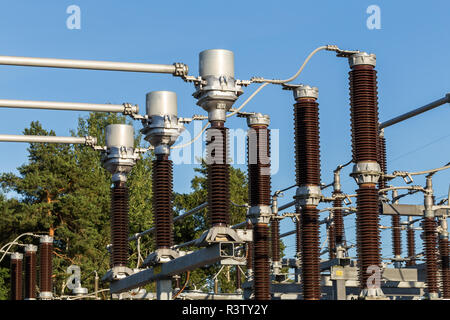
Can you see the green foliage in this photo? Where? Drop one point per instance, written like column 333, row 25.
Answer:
column 64, row 190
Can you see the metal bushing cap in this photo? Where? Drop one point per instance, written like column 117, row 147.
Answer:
column 258, row 119
column 46, row 239
column 305, row 91
column 362, row 58
column 30, row 248
column 16, row 256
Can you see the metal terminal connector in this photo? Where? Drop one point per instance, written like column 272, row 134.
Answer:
column 366, row 172
column 181, row 70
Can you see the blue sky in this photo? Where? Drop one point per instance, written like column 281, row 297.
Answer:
column 269, row 39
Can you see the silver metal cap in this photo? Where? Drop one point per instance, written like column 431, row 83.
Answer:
column 16, row 256
column 30, row 248
column 118, row 135
column 161, row 103
column 305, row 91
column 362, row 58
column 216, row 62
column 258, row 119
column 46, row 239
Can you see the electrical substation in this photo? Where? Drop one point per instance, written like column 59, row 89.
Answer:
column 252, row 247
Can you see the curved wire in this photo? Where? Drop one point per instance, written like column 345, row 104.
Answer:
column 193, row 140
column 184, row 286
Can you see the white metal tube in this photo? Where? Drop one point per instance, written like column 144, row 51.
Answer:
column 75, row 106
column 87, row 64
column 46, row 139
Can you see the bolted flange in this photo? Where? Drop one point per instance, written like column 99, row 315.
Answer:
column 308, row 195
column 259, row 214
column 366, row 172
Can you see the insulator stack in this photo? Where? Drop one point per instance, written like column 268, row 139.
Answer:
column 30, row 272
column 411, row 246
column 445, row 267
column 45, row 266
column 261, row 269
column 119, row 224
column 366, row 153
column 298, row 233
column 16, row 276
column 382, row 160
column 396, row 236
column 307, row 154
column 364, row 112
column 368, row 236
column 162, row 201
column 218, row 174
column 310, row 253
column 249, row 254
column 331, row 241
column 338, row 219
column 430, row 242
column 275, row 239
column 258, row 159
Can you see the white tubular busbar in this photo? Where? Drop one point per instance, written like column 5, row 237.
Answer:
column 73, row 106
column 87, row 64
column 47, row 139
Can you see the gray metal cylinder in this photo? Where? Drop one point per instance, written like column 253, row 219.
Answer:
column 118, row 135
column 216, row 62
column 46, row 239
column 31, row 248
column 161, row 103
column 16, row 256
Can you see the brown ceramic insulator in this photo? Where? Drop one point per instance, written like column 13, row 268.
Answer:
column 445, row 267
column 307, row 152
column 310, row 253
column 261, row 269
column 259, row 181
column 411, row 247
column 382, row 160
column 338, row 219
column 218, row 174
column 119, row 224
column 275, row 239
column 45, row 266
column 430, row 243
column 367, row 230
column 331, row 241
column 396, row 236
column 298, row 235
column 249, row 254
column 162, row 201
column 30, row 275
column 364, row 113
column 16, row 279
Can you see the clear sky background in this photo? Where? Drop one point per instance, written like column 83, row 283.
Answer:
column 269, row 39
